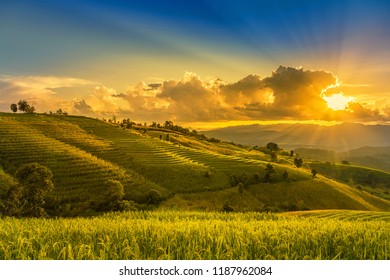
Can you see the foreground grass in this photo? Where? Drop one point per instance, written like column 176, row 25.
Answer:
column 194, row 236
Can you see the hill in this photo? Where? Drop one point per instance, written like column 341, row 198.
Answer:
column 373, row 157
column 161, row 169
column 341, row 137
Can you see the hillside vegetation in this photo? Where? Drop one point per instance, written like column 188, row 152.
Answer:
column 160, row 168
column 374, row 157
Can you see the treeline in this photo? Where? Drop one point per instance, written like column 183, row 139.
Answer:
column 167, row 126
column 30, row 195
column 22, row 106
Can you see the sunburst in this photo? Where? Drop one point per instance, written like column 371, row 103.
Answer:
column 338, row 101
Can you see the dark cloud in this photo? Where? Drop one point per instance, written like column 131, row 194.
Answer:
column 121, row 95
column 153, row 86
column 83, row 108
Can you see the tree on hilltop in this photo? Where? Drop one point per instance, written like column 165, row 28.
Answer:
column 23, row 106
column 273, row 147
column 14, row 107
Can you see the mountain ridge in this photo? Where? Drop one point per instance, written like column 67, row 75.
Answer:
column 340, row 137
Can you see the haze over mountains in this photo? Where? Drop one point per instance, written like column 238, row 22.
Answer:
column 341, row 138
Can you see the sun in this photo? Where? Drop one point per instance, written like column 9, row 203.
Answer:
column 338, row 101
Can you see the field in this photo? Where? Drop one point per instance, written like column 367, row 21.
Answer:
column 200, row 236
column 198, row 183
column 188, row 173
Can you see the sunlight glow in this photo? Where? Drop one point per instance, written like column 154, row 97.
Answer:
column 338, row 101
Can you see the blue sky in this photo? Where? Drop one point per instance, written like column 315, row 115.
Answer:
column 115, row 44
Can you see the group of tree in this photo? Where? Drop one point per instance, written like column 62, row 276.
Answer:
column 27, row 197
column 59, row 112
column 272, row 149
column 22, row 106
column 167, row 126
column 298, row 162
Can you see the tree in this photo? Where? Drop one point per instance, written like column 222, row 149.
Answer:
column 114, row 195
column 153, row 196
column 273, row 147
column 269, row 169
column 274, row 157
column 23, row 106
column 168, row 124
column 35, row 181
column 314, row 173
column 10, row 199
column 14, row 107
column 30, row 110
column 298, row 162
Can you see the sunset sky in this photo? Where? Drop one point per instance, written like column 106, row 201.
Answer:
column 199, row 61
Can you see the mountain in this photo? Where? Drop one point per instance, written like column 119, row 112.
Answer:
column 341, row 137
column 160, row 169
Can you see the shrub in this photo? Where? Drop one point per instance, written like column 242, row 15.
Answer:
column 153, row 196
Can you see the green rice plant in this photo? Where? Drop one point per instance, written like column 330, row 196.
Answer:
column 196, row 236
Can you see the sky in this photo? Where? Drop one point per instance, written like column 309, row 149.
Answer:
column 198, row 61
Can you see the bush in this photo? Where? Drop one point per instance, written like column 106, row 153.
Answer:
column 153, row 197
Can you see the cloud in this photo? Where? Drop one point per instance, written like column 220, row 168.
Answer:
column 287, row 94
column 40, row 91
column 192, row 99
column 81, row 107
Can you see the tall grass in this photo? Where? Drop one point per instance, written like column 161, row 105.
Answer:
column 194, row 236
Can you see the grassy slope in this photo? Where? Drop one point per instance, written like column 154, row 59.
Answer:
column 84, row 153
column 374, row 181
column 373, row 157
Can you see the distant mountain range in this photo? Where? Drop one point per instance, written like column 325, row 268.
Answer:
column 341, row 137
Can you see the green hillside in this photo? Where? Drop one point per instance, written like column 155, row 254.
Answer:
column 373, row 157
column 175, row 172
column 374, row 181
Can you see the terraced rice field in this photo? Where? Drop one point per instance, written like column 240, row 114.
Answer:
column 84, row 154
